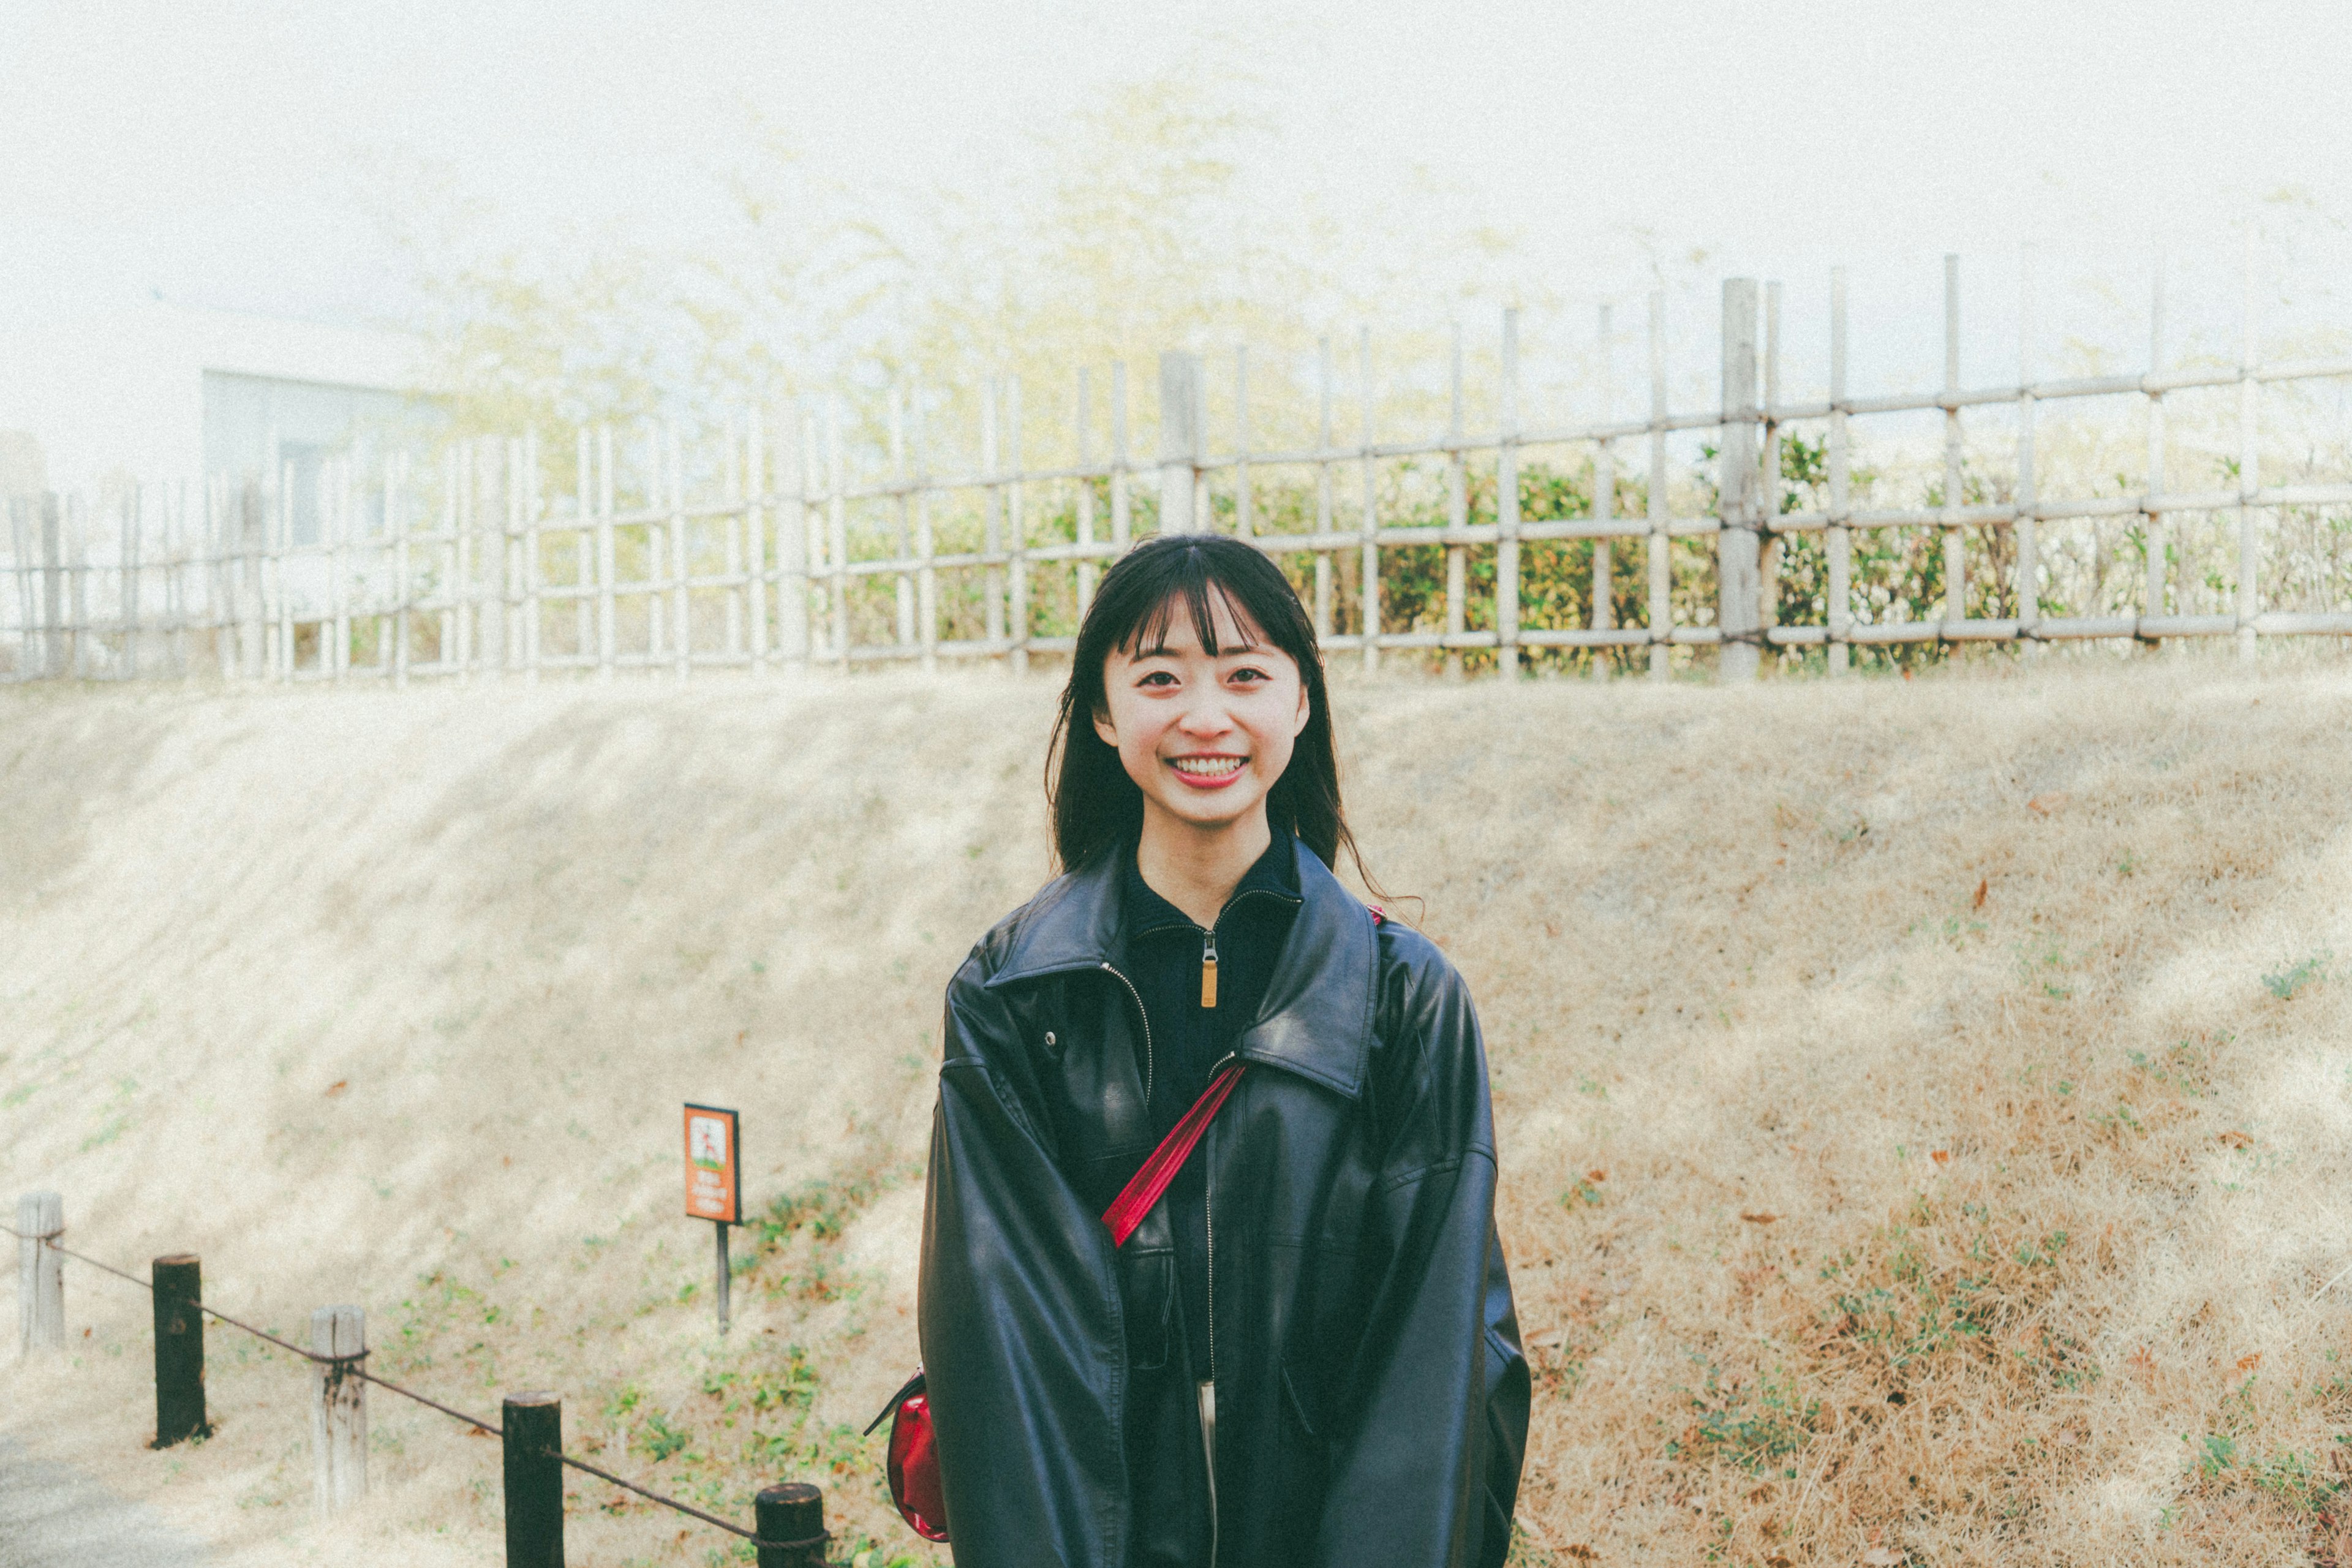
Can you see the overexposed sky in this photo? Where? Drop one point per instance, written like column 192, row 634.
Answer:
column 245, row 155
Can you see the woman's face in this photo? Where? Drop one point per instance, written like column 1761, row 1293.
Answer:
column 1203, row 737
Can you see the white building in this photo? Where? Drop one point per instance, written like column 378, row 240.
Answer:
column 150, row 390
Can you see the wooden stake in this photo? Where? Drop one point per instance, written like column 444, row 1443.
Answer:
column 337, row 1411
column 40, row 1273
column 178, row 1282
column 532, row 1445
column 793, row 1511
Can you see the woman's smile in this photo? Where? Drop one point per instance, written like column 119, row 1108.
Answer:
column 1209, row 771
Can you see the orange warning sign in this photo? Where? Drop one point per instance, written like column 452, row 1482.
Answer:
column 714, row 1170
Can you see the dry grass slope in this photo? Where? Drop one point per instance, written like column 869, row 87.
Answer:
column 1924, row 1108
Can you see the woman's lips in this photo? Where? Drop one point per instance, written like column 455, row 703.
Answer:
column 1210, row 772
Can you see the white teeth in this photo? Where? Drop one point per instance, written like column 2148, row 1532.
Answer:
column 1206, row 767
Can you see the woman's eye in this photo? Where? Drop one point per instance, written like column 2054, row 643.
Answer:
column 1250, row 676
column 1157, row 677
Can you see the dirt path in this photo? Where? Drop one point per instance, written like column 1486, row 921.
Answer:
column 52, row 1516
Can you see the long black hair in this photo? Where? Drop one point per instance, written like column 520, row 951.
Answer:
column 1096, row 806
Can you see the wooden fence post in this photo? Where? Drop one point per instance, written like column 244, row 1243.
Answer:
column 608, row 558
column 1457, row 516
column 53, row 583
column 1016, row 532
column 2029, row 544
column 531, row 1428
column 2249, row 599
column 337, row 1411
column 1737, row 605
column 792, row 1511
column 1122, row 525
column 1840, row 537
column 1087, row 570
column 1179, row 440
column 1955, row 542
column 1506, row 508
column 40, row 1273
column 178, row 1281
column 1602, row 607
column 1368, row 560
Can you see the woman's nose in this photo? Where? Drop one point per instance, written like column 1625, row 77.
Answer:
column 1206, row 718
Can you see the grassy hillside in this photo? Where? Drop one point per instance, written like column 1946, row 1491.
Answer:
column 1924, row 1106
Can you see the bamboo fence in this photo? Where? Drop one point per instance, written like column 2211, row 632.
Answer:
column 753, row 548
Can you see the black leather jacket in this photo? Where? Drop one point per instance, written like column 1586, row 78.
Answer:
column 1371, row 1398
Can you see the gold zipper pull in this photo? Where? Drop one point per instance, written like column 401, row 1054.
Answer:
column 1209, row 969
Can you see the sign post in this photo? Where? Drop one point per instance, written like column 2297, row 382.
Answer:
column 714, row 1179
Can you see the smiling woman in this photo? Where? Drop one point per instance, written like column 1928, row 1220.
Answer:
column 1290, row 1338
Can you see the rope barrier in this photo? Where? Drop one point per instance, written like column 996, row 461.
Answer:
column 350, row 1363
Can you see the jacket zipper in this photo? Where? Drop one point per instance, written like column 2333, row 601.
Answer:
column 1209, row 1213
column 1140, row 1013
column 1209, row 968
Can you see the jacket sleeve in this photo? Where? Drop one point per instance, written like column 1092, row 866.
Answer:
column 1014, row 1314
column 1426, row 1460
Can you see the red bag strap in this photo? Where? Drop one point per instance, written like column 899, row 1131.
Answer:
column 1149, row 1182
column 1159, row 1167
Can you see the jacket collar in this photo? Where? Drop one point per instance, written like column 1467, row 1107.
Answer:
column 1316, row 1017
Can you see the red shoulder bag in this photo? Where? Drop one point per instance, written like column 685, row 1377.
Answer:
column 914, row 1464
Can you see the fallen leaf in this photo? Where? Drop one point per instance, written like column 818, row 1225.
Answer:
column 2044, row 804
column 1547, row 1339
column 1983, row 884
column 2248, row 1362
column 2235, row 1139
column 1582, row 1552
column 1941, row 1156
column 338, row 1086
column 1596, row 1175
column 1760, row 1218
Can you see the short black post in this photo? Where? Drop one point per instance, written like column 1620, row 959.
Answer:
column 178, row 1280
column 533, row 1428
column 793, row 1511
